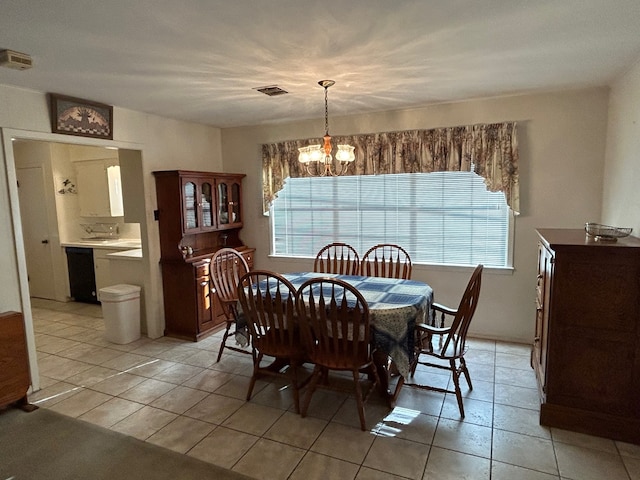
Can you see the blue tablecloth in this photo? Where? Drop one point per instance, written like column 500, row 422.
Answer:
column 394, row 307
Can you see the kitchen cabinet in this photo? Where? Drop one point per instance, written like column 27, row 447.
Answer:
column 586, row 350
column 99, row 188
column 199, row 212
column 102, row 269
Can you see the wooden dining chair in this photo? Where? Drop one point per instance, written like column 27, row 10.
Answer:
column 268, row 304
column 337, row 258
column 447, row 344
column 386, row 260
column 334, row 323
column 226, row 268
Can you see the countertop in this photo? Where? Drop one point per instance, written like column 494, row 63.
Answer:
column 135, row 254
column 120, row 244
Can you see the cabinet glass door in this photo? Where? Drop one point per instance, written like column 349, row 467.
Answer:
column 206, row 202
column 235, row 203
column 190, row 202
column 223, row 204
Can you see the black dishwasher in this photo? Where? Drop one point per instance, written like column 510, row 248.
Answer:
column 82, row 278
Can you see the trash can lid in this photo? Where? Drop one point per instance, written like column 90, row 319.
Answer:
column 121, row 289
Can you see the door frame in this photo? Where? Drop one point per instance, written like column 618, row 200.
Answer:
column 7, row 136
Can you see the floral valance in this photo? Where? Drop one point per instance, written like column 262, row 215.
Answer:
column 491, row 150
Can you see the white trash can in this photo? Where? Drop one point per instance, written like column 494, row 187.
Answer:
column 121, row 313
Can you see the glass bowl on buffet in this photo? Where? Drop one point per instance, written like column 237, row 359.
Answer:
column 606, row 233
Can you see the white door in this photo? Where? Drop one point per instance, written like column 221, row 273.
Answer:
column 35, row 231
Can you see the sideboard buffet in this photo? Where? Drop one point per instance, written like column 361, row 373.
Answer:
column 586, row 351
column 198, row 213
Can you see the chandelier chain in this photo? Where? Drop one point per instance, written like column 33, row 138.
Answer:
column 326, row 111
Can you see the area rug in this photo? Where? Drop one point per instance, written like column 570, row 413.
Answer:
column 44, row 444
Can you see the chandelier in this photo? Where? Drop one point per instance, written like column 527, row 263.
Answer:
column 317, row 158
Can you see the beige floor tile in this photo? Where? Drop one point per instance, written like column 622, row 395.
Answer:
column 423, row 401
column 151, row 349
column 147, row 391
column 366, row 473
column 324, row 403
column 375, row 411
column 294, row 430
column 320, row 467
column 633, row 467
column 480, row 372
column 397, row 456
column 409, row 425
column 63, row 368
column 177, row 353
column 628, row 449
column 510, row 360
column 151, row 368
column 480, row 357
column 503, row 471
column 583, row 440
column 181, row 434
column 54, row 393
column 517, row 396
column 481, row 344
column 482, row 390
column 524, row 451
column 523, row 349
column 118, row 383
column 449, row 465
column 92, row 376
column 178, row 373
column 223, row 447
column 516, row 377
column 237, row 387
column 519, row 420
column 144, row 423
column 214, row 408
column 111, row 412
column 587, row 464
column 83, row 401
column 235, row 364
column 253, row 419
column 463, row 437
column 477, row 412
column 274, row 393
column 125, row 361
column 343, row 442
column 179, row 399
column 201, row 358
column 208, row 380
column 269, row 460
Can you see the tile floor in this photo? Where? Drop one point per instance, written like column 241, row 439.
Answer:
column 173, row 394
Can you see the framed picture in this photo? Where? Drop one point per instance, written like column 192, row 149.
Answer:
column 74, row 116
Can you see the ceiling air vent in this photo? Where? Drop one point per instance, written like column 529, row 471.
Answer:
column 15, row 60
column 272, row 90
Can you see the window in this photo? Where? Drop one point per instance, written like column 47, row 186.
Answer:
column 444, row 218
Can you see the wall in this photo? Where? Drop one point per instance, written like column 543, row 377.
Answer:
column 621, row 204
column 562, row 146
column 165, row 144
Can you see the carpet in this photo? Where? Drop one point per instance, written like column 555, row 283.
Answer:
column 47, row 445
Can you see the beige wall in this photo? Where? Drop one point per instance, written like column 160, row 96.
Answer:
column 562, row 146
column 165, row 145
column 621, row 204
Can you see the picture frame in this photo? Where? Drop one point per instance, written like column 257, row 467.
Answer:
column 76, row 116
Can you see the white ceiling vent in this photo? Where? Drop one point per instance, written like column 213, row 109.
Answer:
column 272, row 90
column 15, row 60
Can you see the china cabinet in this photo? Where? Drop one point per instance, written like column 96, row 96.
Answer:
column 586, row 350
column 198, row 213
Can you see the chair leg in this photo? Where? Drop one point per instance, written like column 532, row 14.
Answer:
column 256, row 366
column 224, row 339
column 293, row 368
column 456, row 382
column 465, row 370
column 360, row 403
column 315, row 377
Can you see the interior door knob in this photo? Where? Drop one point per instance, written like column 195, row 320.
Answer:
column 45, row 241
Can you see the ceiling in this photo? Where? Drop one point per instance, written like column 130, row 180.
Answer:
column 201, row 60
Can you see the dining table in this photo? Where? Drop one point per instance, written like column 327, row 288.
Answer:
column 395, row 305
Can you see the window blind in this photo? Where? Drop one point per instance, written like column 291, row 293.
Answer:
column 439, row 218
